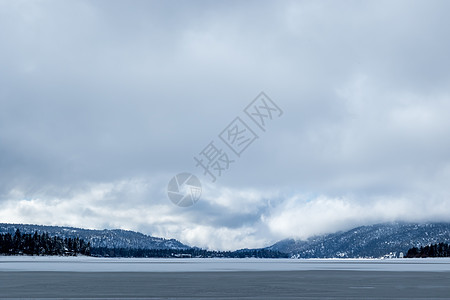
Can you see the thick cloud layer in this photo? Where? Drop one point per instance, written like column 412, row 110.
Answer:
column 102, row 102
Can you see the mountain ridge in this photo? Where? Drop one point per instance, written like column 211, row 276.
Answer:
column 107, row 238
column 367, row 241
column 376, row 240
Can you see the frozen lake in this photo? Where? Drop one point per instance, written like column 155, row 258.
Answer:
column 91, row 264
column 99, row 278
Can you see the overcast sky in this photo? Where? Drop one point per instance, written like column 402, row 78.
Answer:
column 103, row 102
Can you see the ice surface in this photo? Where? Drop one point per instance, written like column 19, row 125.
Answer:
column 91, row 264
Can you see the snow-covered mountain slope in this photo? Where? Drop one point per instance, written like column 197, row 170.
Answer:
column 367, row 241
column 116, row 238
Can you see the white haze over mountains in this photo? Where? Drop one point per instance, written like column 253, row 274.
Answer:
column 102, row 102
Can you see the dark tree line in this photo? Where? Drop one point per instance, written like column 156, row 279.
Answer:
column 193, row 252
column 41, row 244
column 434, row 250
